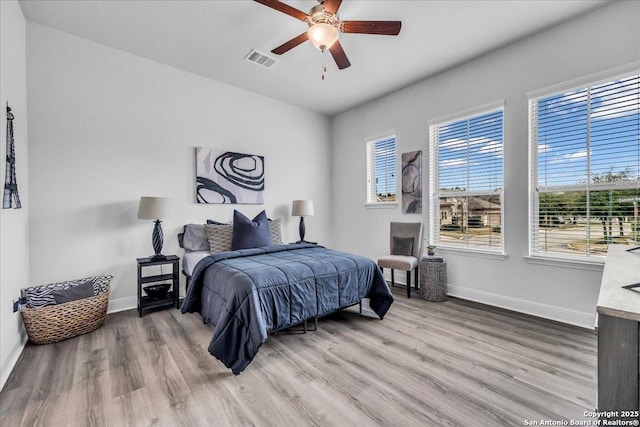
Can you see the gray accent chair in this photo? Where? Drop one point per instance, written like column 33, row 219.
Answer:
column 400, row 235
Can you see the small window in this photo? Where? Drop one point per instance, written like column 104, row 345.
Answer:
column 585, row 169
column 467, row 180
column 381, row 171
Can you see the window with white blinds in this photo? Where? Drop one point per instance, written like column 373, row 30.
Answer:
column 585, row 169
column 381, row 170
column 466, row 181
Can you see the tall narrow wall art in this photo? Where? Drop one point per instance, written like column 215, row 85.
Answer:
column 10, row 196
column 228, row 177
column 412, row 182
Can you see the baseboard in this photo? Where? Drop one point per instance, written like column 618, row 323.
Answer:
column 551, row 312
column 11, row 362
column 122, row 304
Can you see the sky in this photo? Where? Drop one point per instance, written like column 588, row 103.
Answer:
column 609, row 115
column 470, row 153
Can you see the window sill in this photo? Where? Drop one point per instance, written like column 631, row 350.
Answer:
column 579, row 264
column 381, row 205
column 478, row 253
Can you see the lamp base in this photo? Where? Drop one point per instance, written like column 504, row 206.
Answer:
column 156, row 239
column 306, row 241
column 301, row 229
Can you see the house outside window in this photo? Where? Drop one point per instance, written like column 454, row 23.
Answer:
column 466, row 181
column 585, row 169
column 381, row 171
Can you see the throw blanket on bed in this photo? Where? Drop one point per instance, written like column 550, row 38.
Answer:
column 249, row 292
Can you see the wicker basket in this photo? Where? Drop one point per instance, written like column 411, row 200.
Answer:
column 53, row 323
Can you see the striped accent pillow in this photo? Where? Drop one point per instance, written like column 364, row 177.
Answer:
column 275, row 228
column 220, row 237
column 101, row 284
column 42, row 296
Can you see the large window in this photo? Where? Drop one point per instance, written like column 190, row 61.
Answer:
column 381, row 170
column 466, row 181
column 585, row 169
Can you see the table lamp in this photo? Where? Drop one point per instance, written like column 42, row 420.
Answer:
column 302, row 208
column 155, row 208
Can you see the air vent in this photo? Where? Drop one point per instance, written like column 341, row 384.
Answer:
column 261, row 59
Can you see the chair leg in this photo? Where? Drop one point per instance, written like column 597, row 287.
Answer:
column 393, row 280
column 415, row 285
column 408, row 284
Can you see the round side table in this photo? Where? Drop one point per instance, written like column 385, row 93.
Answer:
column 433, row 278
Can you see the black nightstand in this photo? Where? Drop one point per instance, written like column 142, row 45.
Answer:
column 172, row 296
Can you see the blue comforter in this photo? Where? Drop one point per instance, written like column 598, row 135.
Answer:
column 249, row 292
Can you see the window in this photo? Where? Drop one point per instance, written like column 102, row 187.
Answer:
column 381, row 170
column 466, row 181
column 585, row 169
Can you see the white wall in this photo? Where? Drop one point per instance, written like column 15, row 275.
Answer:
column 607, row 38
column 107, row 127
column 14, row 227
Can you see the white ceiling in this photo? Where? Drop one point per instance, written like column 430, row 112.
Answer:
column 211, row 39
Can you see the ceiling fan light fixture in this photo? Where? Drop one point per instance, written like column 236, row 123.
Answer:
column 323, row 35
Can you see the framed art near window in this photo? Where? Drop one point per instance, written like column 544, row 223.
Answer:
column 412, row 182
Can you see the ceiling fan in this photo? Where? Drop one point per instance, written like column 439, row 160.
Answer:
column 325, row 28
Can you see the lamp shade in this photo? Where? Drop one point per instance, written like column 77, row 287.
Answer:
column 323, row 35
column 302, row 208
column 153, row 208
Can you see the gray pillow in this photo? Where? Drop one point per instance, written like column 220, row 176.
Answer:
column 402, row 246
column 84, row 290
column 214, row 222
column 195, row 238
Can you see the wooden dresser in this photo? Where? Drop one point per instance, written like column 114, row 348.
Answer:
column 619, row 334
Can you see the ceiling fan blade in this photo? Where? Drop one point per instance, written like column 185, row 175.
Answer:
column 339, row 56
column 387, row 28
column 287, row 46
column 331, row 6
column 284, row 8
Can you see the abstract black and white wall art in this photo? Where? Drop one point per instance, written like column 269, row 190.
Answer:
column 228, row 177
column 412, row 182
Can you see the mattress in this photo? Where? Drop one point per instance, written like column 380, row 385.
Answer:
column 190, row 259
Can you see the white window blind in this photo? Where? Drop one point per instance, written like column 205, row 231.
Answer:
column 466, row 181
column 381, row 170
column 585, row 169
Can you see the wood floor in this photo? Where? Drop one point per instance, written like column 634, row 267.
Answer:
column 425, row 364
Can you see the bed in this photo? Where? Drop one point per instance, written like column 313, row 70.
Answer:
column 248, row 293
